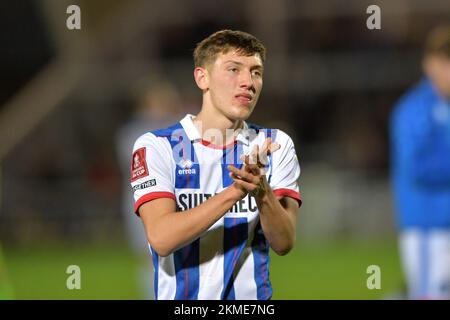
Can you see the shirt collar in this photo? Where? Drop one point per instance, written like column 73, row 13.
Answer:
column 193, row 134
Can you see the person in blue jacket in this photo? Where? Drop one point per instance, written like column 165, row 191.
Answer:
column 420, row 151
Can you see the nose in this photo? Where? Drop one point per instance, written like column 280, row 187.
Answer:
column 246, row 80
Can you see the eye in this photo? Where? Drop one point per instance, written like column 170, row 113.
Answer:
column 233, row 69
column 256, row 73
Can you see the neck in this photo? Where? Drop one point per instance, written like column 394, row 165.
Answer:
column 213, row 126
column 438, row 90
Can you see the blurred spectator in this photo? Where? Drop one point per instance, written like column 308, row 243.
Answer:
column 158, row 105
column 420, row 137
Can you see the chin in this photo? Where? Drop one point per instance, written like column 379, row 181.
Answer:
column 241, row 113
column 240, row 116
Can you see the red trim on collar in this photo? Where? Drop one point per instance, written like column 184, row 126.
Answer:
column 211, row 145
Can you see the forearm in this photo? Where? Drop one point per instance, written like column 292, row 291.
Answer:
column 278, row 221
column 173, row 230
column 277, row 224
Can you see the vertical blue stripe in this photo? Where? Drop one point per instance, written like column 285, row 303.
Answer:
column 260, row 249
column 185, row 180
column 231, row 156
column 186, row 177
column 234, row 241
column 182, row 149
column 270, row 133
column 187, row 261
column 155, row 260
column 260, row 246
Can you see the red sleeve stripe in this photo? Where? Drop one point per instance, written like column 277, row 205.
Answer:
column 289, row 193
column 152, row 196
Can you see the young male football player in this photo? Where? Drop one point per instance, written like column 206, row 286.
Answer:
column 213, row 191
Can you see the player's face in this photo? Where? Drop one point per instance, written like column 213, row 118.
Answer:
column 235, row 82
column 437, row 68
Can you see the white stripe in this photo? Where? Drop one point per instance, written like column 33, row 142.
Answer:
column 439, row 267
column 438, row 262
column 409, row 248
column 211, row 246
column 211, row 263
column 243, row 288
column 167, row 283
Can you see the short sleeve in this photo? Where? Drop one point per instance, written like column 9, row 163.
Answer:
column 151, row 170
column 285, row 171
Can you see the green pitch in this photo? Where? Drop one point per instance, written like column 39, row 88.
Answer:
column 5, row 285
column 337, row 271
column 329, row 271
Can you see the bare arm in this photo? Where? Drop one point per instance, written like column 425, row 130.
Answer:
column 168, row 230
column 278, row 216
column 278, row 220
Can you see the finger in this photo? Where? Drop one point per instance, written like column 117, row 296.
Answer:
column 262, row 154
column 262, row 159
column 244, row 184
column 247, row 176
column 254, row 169
column 253, row 159
column 237, row 177
column 266, row 144
column 247, row 166
column 234, row 170
column 234, row 176
column 247, row 160
column 274, row 147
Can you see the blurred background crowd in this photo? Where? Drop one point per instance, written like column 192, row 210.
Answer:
column 73, row 101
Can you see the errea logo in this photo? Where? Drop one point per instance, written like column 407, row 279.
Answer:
column 185, row 163
column 187, row 174
column 186, row 167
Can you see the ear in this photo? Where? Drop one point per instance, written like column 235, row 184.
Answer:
column 201, row 78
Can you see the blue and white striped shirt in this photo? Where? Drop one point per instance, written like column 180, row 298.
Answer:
column 231, row 259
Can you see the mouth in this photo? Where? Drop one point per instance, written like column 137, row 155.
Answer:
column 244, row 98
